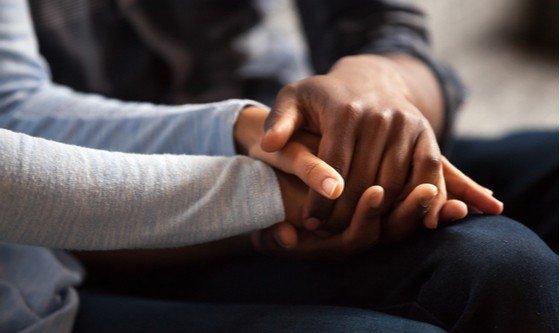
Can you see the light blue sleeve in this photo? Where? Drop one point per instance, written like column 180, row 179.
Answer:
column 65, row 195
column 30, row 103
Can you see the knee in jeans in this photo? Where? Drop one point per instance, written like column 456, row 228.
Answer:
column 497, row 248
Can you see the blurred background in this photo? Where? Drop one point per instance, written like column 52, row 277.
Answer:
column 506, row 51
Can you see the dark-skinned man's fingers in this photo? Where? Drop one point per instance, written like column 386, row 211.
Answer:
column 409, row 214
column 395, row 167
column 431, row 219
column 337, row 153
column 361, row 234
column 277, row 239
column 364, row 228
column 426, row 162
column 453, row 210
column 470, row 192
column 282, row 239
column 363, row 172
column 282, row 121
column 452, row 170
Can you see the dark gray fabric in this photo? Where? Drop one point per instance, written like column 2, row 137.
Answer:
column 172, row 51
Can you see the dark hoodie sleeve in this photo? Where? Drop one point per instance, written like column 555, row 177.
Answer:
column 337, row 28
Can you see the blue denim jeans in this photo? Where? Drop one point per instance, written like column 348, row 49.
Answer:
column 480, row 274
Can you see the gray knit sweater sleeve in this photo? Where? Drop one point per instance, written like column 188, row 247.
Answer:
column 68, row 195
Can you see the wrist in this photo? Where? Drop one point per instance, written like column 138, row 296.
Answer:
column 293, row 192
column 385, row 76
column 249, row 129
column 426, row 92
column 398, row 75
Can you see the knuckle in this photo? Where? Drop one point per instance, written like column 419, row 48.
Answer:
column 382, row 119
column 353, row 110
column 313, row 84
column 423, row 123
column 405, row 116
column 289, row 89
column 309, row 168
column 432, row 161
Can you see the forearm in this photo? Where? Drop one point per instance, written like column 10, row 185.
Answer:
column 425, row 91
column 70, row 197
column 420, row 86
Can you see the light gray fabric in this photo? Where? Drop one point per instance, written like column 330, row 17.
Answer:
column 64, row 196
column 67, row 194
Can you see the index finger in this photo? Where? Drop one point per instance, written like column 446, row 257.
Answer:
column 337, row 153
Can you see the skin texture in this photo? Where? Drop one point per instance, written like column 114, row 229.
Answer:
column 368, row 227
column 369, row 224
column 378, row 118
column 381, row 123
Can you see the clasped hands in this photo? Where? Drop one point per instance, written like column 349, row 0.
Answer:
column 357, row 163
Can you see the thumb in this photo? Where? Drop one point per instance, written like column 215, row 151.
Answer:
column 282, row 121
column 298, row 160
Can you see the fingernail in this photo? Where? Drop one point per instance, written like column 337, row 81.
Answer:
column 278, row 240
column 329, row 185
column 311, row 223
column 489, row 191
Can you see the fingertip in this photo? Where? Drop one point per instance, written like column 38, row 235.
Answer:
column 375, row 196
column 427, row 190
column 286, row 236
column 453, row 210
column 463, row 210
column 311, row 223
column 496, row 207
column 331, row 187
column 426, row 194
column 340, row 188
column 460, row 209
column 499, row 207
